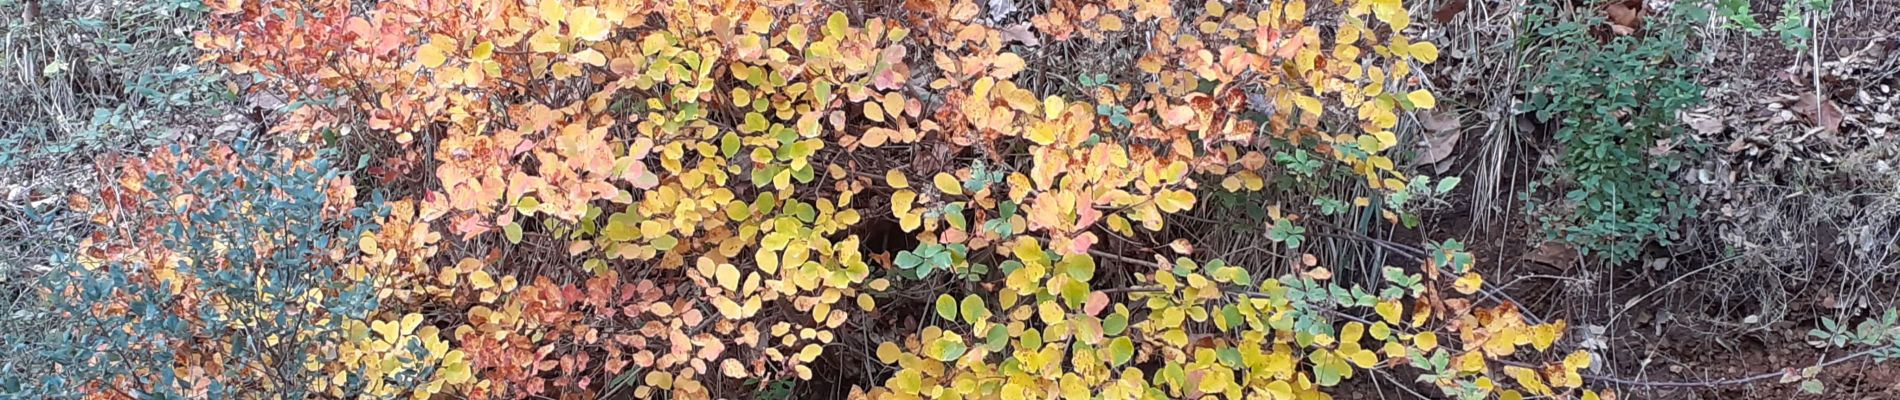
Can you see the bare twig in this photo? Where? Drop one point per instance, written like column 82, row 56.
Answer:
column 1708, row 383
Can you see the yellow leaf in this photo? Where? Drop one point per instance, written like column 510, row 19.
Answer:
column 660, row 379
column 481, row 280
column 1577, row 360
column 901, row 202
column 1392, row 12
column 1543, row 335
column 728, row 277
column 413, row 320
column 1387, row 139
column 1280, row 390
column 545, row 41
column 727, row 308
column 896, row 179
column 1469, row 283
column 810, row 352
column 388, row 330
column 1007, row 65
column 1471, row 362
column 585, row 23
column 732, row 368
column 1173, row 200
column 759, row 22
column 590, row 57
column 1053, row 106
column 877, row 136
column 552, row 11
column 430, row 56
column 483, row 51
column 449, row 276
column 1363, row 358
column 1310, row 105
column 768, row 261
column 836, row 24
column 947, row 183
column 1042, row 134
column 1352, row 333
column 1426, row 341
column 1425, row 52
column 888, row 352
column 874, row 112
column 1422, row 99
column 1380, row 330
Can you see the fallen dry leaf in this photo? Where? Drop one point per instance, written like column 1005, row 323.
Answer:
column 1740, row 143
column 1703, row 123
column 1624, row 19
column 1438, row 121
column 1823, row 113
column 1019, row 33
column 1181, row 246
column 1319, row 273
column 1450, row 10
column 1000, row 9
column 1663, row 147
column 1441, row 136
column 1555, row 254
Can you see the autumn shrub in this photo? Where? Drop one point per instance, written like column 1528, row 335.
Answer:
column 1612, row 97
column 680, row 199
column 210, row 273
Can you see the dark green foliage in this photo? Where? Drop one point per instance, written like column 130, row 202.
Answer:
column 1614, row 105
column 245, row 302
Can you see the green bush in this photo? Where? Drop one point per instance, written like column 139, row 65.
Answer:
column 215, row 255
column 1615, row 105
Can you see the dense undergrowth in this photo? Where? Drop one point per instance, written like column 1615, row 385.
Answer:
column 952, row 199
column 1614, row 104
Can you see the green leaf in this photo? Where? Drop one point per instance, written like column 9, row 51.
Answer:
column 1328, row 368
column 622, row 227
column 1074, row 293
column 973, row 308
column 1078, row 266
column 947, row 307
column 1121, row 350
column 513, row 232
column 998, row 338
column 836, row 24
column 953, row 213
column 1445, row 185
column 527, row 205
column 1115, row 324
column 729, row 145
column 754, row 123
column 1032, row 339
column 941, row 260
column 908, row 260
column 1813, row 386
column 1284, row 231
column 951, row 350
